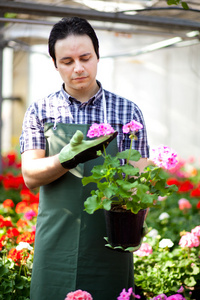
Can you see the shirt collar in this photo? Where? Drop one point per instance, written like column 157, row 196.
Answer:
column 92, row 101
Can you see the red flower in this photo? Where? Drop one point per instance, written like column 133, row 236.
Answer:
column 27, row 236
column 8, row 203
column 13, row 182
column 12, row 157
column 172, row 181
column 195, row 192
column 185, row 186
column 18, row 256
column 21, row 207
column 198, row 205
column 15, row 255
column 12, row 232
column 5, row 222
column 22, row 223
column 29, row 197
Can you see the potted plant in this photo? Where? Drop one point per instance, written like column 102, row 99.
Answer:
column 121, row 188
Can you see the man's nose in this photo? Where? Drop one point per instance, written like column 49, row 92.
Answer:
column 78, row 67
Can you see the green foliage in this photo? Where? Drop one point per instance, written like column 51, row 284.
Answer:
column 177, row 221
column 14, row 281
column 123, row 184
column 177, row 2
column 165, row 271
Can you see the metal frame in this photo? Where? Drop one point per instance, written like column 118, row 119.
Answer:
column 118, row 17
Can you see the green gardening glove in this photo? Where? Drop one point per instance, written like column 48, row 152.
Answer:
column 79, row 151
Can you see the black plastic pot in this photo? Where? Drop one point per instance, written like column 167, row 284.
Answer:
column 124, row 228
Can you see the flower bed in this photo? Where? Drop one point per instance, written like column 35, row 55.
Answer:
column 167, row 260
column 18, row 212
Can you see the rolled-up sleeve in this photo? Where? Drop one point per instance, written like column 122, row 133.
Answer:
column 32, row 136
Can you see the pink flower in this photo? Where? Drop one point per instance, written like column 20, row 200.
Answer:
column 144, row 250
column 30, row 214
column 79, row 295
column 165, row 157
column 189, row 240
column 176, row 297
column 160, row 198
column 126, row 295
column 132, row 127
column 196, row 231
column 181, row 290
column 160, row 297
column 184, row 204
column 97, row 130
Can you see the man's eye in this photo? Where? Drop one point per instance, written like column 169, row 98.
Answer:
column 67, row 62
column 85, row 58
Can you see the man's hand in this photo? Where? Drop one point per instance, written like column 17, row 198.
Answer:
column 79, row 151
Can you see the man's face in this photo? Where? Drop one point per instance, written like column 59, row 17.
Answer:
column 76, row 62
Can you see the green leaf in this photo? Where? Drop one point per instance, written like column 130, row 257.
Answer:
column 3, row 271
column 92, row 203
column 184, row 5
column 190, row 281
column 133, row 206
column 107, row 189
column 173, row 2
column 106, row 204
column 129, row 170
column 88, row 179
column 132, row 154
column 125, row 185
column 141, row 190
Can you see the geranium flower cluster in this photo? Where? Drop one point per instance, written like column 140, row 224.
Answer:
column 191, row 239
column 184, row 204
column 172, row 297
column 126, row 295
column 79, row 295
column 132, row 127
column 97, row 130
column 188, row 188
column 18, row 235
column 144, row 250
column 164, row 157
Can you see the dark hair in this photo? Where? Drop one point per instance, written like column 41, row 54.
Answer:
column 71, row 26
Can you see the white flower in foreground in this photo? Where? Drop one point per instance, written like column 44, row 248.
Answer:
column 153, row 233
column 23, row 245
column 166, row 243
column 163, row 216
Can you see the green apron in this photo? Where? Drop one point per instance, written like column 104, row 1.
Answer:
column 70, row 250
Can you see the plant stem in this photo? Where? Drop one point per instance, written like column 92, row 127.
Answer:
column 131, row 137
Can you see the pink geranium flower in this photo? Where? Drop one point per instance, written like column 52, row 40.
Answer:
column 144, row 250
column 181, row 290
column 30, row 214
column 196, row 231
column 176, row 297
column 97, row 130
column 126, row 295
column 189, row 240
column 160, row 297
column 79, row 295
column 164, row 157
column 132, row 127
column 184, row 204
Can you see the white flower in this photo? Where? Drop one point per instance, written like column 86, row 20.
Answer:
column 163, row 216
column 166, row 243
column 23, row 245
column 153, row 233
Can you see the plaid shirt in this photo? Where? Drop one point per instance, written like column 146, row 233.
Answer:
column 60, row 107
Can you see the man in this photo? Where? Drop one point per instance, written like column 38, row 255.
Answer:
column 69, row 247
